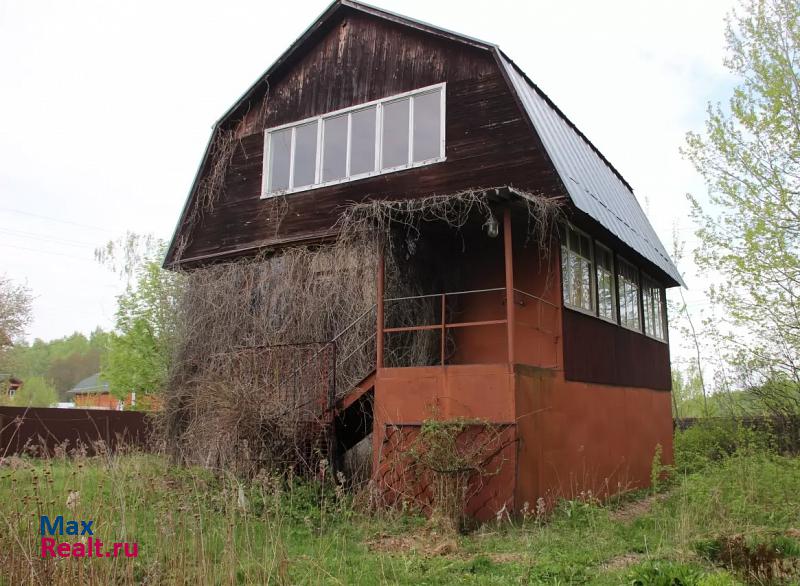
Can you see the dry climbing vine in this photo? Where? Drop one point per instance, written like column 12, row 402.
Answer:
column 265, row 343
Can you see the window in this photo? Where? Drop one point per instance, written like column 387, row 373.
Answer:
column 606, row 298
column 653, row 303
column 628, row 291
column 576, row 270
column 387, row 135
column 395, row 134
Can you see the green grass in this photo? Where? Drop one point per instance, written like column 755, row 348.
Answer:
column 193, row 527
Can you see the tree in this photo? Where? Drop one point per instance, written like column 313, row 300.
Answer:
column 64, row 361
column 140, row 348
column 15, row 311
column 35, row 392
column 749, row 156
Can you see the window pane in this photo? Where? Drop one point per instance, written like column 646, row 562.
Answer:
column 586, row 247
column 606, row 307
column 334, row 154
column 427, row 126
column 305, row 155
column 577, row 271
column 628, row 286
column 280, row 144
column 653, row 309
column 395, row 134
column 566, row 277
column 362, row 141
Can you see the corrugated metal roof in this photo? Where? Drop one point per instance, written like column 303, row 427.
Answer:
column 594, row 186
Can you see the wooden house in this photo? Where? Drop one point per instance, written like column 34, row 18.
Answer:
column 574, row 374
column 94, row 393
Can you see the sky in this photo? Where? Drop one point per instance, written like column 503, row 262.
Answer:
column 106, row 108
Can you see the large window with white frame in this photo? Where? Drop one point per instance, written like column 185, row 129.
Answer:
column 576, row 270
column 628, row 292
column 391, row 134
column 606, row 295
column 653, row 304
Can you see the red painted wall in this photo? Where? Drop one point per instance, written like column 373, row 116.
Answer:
column 576, row 437
column 571, row 437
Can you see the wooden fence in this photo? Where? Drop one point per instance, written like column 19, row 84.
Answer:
column 44, row 431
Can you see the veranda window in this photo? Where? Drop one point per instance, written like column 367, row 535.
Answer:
column 653, row 303
column 576, row 270
column 628, row 291
column 606, row 297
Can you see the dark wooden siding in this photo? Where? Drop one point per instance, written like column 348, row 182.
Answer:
column 596, row 351
column 489, row 142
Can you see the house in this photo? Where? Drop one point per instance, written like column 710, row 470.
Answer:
column 558, row 346
column 94, row 393
column 14, row 384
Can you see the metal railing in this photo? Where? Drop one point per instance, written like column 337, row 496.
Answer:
column 443, row 326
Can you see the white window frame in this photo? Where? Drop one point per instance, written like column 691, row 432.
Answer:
column 639, row 305
column 614, row 319
column 318, row 183
column 592, row 275
column 654, row 285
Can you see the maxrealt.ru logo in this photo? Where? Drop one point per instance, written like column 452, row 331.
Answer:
column 86, row 546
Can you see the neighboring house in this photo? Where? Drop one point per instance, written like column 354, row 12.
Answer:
column 93, row 393
column 578, row 366
column 14, row 385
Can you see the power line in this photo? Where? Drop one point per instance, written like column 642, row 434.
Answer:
column 46, row 252
column 44, row 238
column 52, row 219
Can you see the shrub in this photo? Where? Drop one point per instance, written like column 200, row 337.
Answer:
column 712, row 440
column 761, row 557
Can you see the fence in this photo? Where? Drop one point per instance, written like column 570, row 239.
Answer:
column 40, row 431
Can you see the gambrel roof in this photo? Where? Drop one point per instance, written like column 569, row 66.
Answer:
column 593, row 185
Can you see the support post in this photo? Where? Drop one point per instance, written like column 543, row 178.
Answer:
column 379, row 310
column 509, row 269
column 444, row 330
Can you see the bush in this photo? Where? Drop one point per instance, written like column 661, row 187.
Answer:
column 763, row 557
column 711, row 440
column 35, row 392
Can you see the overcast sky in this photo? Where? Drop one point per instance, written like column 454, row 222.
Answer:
column 106, row 108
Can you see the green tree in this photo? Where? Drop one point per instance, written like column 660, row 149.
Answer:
column 64, row 361
column 749, row 156
column 35, row 392
column 140, row 347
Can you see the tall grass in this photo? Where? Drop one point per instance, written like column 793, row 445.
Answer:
column 193, row 526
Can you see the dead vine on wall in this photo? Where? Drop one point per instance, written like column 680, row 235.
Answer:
column 266, row 343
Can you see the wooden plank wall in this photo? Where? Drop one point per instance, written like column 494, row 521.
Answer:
column 489, row 142
column 596, row 351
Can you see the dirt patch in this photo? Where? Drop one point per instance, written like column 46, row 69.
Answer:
column 507, row 557
column 621, row 562
column 432, row 545
column 633, row 510
column 424, row 544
